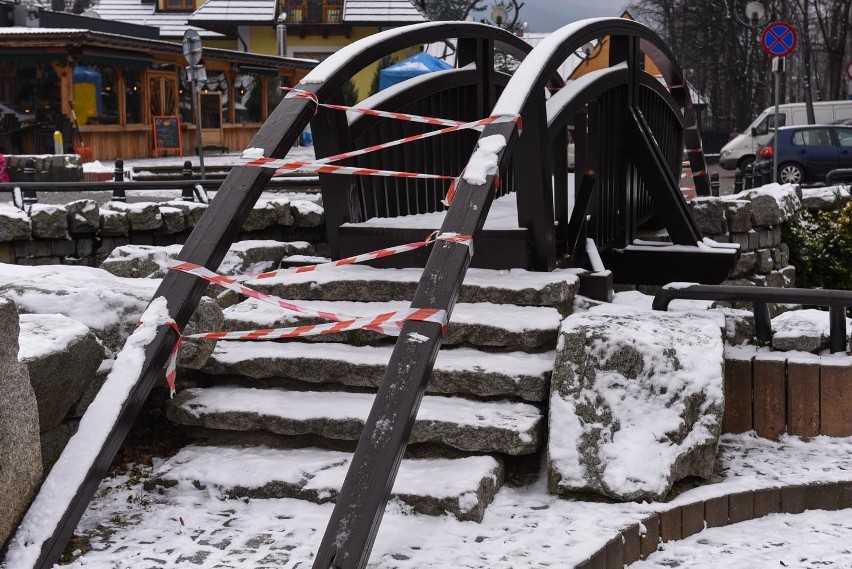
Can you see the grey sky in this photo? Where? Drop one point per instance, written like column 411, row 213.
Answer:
column 547, row 15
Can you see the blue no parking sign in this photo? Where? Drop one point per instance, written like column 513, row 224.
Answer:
column 779, row 39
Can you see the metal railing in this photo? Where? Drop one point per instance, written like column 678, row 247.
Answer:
column 836, row 300
column 26, row 193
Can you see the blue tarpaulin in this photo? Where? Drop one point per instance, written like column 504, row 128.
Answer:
column 412, row 67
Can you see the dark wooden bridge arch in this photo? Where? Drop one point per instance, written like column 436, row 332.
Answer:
column 348, row 540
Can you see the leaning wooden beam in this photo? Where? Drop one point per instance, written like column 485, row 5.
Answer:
column 360, row 506
column 206, row 245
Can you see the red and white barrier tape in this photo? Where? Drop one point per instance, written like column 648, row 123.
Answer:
column 389, row 324
column 449, row 237
column 231, row 284
column 171, row 365
column 693, row 174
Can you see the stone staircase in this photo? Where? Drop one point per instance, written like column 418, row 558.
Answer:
column 281, row 419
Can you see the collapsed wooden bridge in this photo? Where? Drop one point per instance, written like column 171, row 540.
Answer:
column 630, row 127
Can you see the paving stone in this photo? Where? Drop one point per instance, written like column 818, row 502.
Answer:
column 360, row 283
column 476, row 324
column 475, row 426
column 457, row 371
column 462, row 487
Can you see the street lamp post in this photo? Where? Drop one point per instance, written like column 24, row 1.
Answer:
column 281, row 35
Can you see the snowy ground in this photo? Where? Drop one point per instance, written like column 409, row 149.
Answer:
column 525, row 527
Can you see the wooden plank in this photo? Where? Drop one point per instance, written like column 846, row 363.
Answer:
column 632, row 544
column 835, row 410
column 769, row 398
column 738, row 392
column 767, row 501
column 615, row 553
column 650, row 539
column 348, row 538
column 803, row 398
column 716, row 512
column 206, row 245
column 794, row 499
column 692, row 519
column 740, row 507
column 670, row 525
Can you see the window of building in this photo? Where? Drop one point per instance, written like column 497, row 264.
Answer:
column 178, row 5
column 248, row 96
column 313, row 11
column 133, row 96
column 273, row 92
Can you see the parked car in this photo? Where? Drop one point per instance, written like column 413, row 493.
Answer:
column 808, row 153
column 742, row 149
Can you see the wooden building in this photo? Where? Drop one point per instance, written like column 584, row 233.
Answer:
column 119, row 77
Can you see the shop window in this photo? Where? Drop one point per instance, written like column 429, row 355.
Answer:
column 217, row 82
column 273, row 92
column 185, row 101
column 38, row 90
column 133, row 96
column 248, row 95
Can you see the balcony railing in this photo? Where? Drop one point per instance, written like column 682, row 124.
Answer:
column 314, row 14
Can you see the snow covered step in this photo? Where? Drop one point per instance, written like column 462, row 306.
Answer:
column 361, row 283
column 477, row 324
column 462, row 487
column 457, row 371
column 475, row 426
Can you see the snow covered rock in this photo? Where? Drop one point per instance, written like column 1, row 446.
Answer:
column 49, row 221
column 771, row 204
column 193, row 353
column 802, row 330
column 143, row 216
column 114, row 223
column 110, row 306
column 83, row 216
column 20, row 458
column 307, row 214
column 825, row 198
column 62, row 356
column 462, row 487
column 636, row 402
column 14, row 224
column 256, row 256
column 140, row 261
column 266, row 214
column 738, row 215
column 192, row 211
column 464, row 424
column 457, row 371
column 173, row 220
column 709, row 215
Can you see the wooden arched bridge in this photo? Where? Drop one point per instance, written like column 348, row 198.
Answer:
column 631, row 129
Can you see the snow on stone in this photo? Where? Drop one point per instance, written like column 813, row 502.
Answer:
column 43, row 334
column 92, row 296
column 304, row 405
column 824, row 197
column 317, row 469
column 97, row 167
column 252, row 153
column 10, row 211
column 633, row 446
column 784, row 195
column 511, row 279
column 457, row 359
column 484, row 160
column 506, row 316
column 70, row 470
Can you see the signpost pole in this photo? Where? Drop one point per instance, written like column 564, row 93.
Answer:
column 778, row 66
column 195, row 102
column 192, row 53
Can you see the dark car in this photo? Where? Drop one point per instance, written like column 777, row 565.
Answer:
column 806, row 153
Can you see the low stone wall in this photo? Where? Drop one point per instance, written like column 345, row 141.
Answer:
column 48, row 167
column 82, row 233
column 640, row 540
column 775, row 393
column 753, row 219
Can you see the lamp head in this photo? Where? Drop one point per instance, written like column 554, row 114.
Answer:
column 755, row 12
column 499, row 15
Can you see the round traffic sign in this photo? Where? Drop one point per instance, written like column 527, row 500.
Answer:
column 192, row 47
column 779, row 39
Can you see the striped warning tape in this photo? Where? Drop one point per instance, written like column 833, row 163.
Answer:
column 283, row 165
column 449, row 237
column 232, row 284
column 332, row 169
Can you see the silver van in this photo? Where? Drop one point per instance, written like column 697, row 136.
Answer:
column 742, row 149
